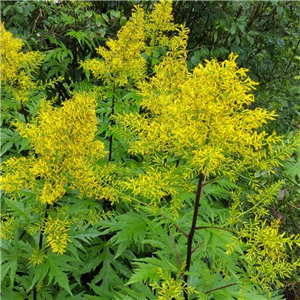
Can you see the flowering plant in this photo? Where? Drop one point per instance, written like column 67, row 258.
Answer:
column 151, row 207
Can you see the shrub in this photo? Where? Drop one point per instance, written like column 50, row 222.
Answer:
column 152, row 204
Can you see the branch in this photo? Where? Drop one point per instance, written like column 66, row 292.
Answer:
column 196, row 248
column 175, row 248
column 212, row 227
column 295, row 51
column 35, row 21
column 220, row 288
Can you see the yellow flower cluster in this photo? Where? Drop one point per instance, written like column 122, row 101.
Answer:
column 37, row 257
column 17, row 67
column 154, row 185
column 64, row 143
column 161, row 19
column 200, row 116
column 17, row 175
column 56, row 230
column 8, row 225
column 171, row 288
column 266, row 256
column 260, row 203
column 159, row 22
column 122, row 60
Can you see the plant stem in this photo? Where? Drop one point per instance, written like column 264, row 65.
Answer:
column 24, row 112
column 42, row 231
column 41, row 244
column 216, row 289
column 197, row 247
column 192, row 231
column 112, row 122
column 213, row 227
column 220, row 288
column 46, row 213
column 174, row 244
column 34, row 293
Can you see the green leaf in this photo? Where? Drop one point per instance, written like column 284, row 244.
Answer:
column 136, row 291
column 279, row 9
column 115, row 14
column 40, row 272
column 202, row 296
column 105, row 17
column 148, row 269
column 9, row 259
column 6, row 10
column 143, row 273
column 16, row 207
column 58, row 265
column 85, row 234
column 194, row 60
column 89, row 13
column 6, row 147
column 108, row 276
column 131, row 228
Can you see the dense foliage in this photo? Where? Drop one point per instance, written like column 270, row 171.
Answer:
column 135, row 169
column 265, row 34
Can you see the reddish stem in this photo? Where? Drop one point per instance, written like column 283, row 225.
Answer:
column 192, row 231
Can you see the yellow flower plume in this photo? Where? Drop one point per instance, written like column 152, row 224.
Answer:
column 63, row 140
column 122, row 60
column 200, row 116
column 17, row 67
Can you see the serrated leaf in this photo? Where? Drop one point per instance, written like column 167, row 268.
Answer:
column 107, row 276
column 131, row 228
column 86, row 234
column 16, row 207
column 40, row 272
column 57, row 265
column 137, row 291
column 62, row 295
column 148, row 268
column 143, row 273
column 9, row 260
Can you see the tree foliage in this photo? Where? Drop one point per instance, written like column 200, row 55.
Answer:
column 153, row 179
